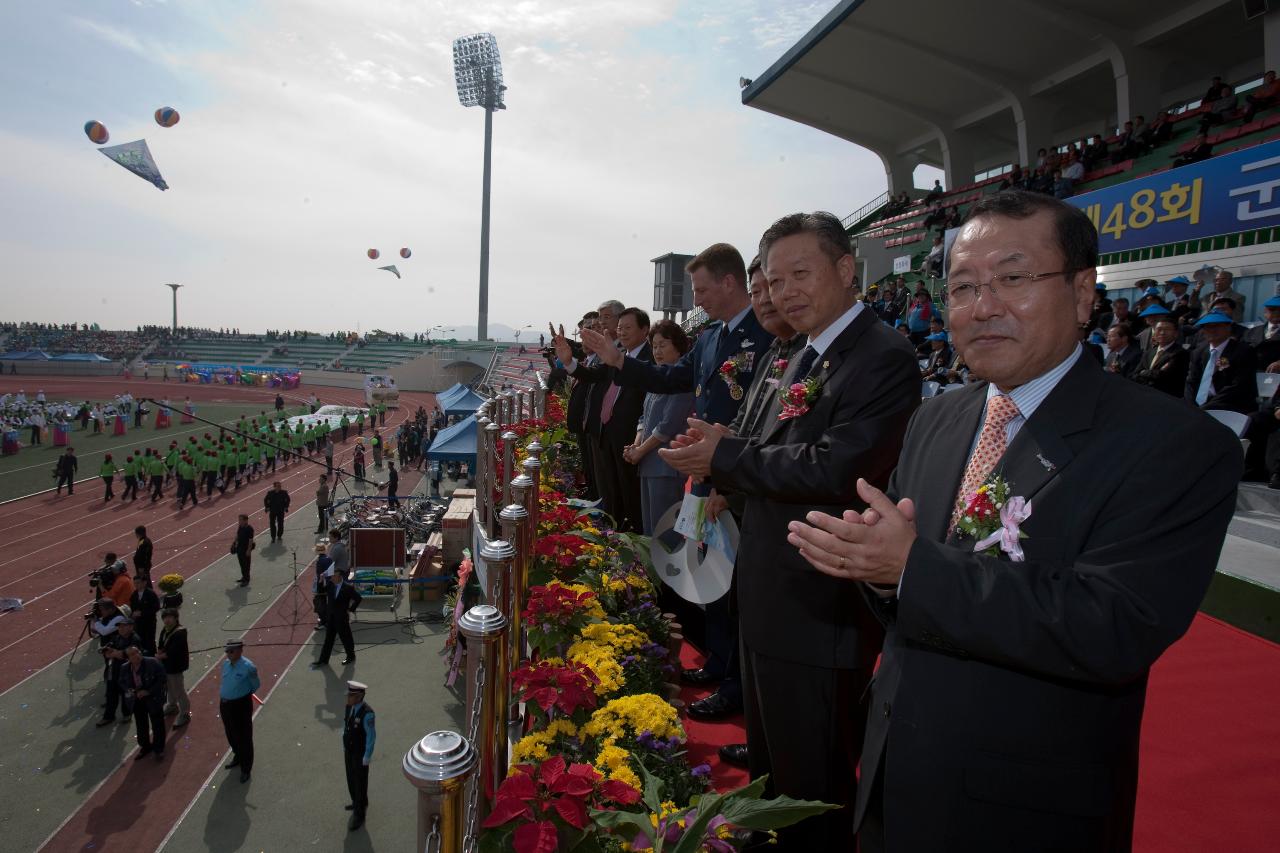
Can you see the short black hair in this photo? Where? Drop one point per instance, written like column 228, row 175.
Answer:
column 1227, row 299
column 1077, row 236
column 833, row 240
column 642, row 318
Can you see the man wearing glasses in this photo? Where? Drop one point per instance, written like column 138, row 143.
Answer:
column 1006, row 708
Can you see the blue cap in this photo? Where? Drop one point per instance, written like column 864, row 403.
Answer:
column 1097, row 337
column 1178, row 279
column 1152, row 291
column 1212, row 318
column 1100, row 286
column 1273, row 302
column 1154, row 311
column 936, row 336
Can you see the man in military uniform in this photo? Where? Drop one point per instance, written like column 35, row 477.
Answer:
column 358, row 736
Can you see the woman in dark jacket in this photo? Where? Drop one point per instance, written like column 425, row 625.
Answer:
column 175, row 657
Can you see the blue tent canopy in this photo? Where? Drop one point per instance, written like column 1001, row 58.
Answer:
column 26, row 355
column 459, row 400
column 456, row 443
column 79, row 356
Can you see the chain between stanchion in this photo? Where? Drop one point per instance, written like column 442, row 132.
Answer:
column 433, row 835
column 472, row 810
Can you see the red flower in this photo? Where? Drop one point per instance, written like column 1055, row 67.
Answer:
column 537, row 837
column 566, row 688
column 537, row 795
column 620, row 792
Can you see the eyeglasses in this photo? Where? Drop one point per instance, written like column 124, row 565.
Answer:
column 1009, row 287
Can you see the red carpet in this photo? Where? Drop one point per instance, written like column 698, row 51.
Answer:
column 1210, row 744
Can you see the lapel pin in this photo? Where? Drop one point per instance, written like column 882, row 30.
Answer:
column 826, row 364
column 1048, row 466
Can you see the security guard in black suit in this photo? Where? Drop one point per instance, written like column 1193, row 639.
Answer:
column 358, row 736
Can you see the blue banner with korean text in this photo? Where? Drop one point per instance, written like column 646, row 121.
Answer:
column 1222, row 195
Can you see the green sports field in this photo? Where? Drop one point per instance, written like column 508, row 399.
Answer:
column 31, row 469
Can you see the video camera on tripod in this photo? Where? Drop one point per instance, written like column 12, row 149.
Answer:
column 103, row 577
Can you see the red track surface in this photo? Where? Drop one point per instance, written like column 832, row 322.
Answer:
column 57, row 540
column 60, row 539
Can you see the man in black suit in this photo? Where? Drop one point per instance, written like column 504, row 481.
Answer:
column 576, row 413
column 1006, row 709
column 342, row 602
column 1123, row 356
column 1164, row 365
column 1222, row 374
column 808, row 642
column 1265, row 337
column 621, row 408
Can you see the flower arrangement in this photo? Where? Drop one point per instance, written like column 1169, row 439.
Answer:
column 556, row 688
column 732, row 370
column 555, row 613
column 171, row 583
column 993, row 518
column 559, row 737
column 776, row 371
column 799, row 398
column 601, row 660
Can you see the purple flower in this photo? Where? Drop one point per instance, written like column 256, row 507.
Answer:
column 701, row 771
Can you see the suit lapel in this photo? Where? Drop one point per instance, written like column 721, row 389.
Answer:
column 824, row 368
column 949, row 444
column 1040, row 452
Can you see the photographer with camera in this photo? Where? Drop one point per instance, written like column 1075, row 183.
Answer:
column 112, row 580
column 114, row 647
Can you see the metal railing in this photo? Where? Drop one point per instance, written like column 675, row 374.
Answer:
column 457, row 776
column 866, row 210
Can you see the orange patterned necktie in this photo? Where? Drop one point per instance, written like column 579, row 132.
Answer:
column 991, row 446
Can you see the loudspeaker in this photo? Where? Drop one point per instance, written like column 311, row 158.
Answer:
column 1255, row 8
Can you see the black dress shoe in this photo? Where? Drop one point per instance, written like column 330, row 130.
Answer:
column 357, row 821
column 142, row 753
column 235, row 762
column 714, row 707
column 349, row 807
column 244, row 776
column 699, row 677
column 734, row 753
column 349, row 661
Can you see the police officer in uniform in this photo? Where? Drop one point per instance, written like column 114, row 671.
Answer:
column 235, row 705
column 358, row 736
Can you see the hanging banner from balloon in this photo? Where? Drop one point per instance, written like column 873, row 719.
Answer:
column 391, row 269
column 136, row 157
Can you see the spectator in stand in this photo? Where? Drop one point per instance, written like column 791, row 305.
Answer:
column 1182, row 304
column 937, row 216
column 919, row 312
column 1042, row 159
column 1264, row 97
column 954, row 218
column 1125, row 145
column 932, row 265
column 935, row 325
column 1074, row 170
column 1119, row 314
column 1062, row 187
column 1160, row 130
column 1042, row 182
column 1220, row 100
column 1222, row 288
column 1221, row 374
column 1164, row 366
column 935, row 193
column 1265, row 337
column 939, row 363
column 1094, row 153
column 1200, row 150
column 1123, row 356
column 1151, row 316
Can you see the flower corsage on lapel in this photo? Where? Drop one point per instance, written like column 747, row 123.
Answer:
column 733, row 368
column 776, row 370
column 993, row 518
column 799, row 398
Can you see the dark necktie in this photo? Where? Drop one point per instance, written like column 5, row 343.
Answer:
column 807, row 358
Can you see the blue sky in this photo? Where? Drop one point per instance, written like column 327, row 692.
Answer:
column 312, row 131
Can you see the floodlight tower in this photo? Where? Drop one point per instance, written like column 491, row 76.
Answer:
column 174, row 288
column 477, row 69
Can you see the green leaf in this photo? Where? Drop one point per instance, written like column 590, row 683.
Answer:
column 615, row 820
column 708, row 808
column 771, row 814
column 652, row 791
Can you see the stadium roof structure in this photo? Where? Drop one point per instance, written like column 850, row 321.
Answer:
column 968, row 86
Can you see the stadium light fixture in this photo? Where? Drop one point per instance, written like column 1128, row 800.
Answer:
column 174, row 288
column 477, row 70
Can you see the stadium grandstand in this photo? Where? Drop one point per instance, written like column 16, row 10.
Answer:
column 1089, row 100
column 1160, row 120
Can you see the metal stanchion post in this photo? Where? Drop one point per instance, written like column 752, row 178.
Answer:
column 515, row 525
column 520, row 492
column 509, row 440
column 439, row 766
column 482, row 467
column 498, row 556
column 485, row 628
column 491, row 474
column 533, row 470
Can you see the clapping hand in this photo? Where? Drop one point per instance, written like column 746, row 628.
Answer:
column 871, row 546
column 560, row 343
column 602, row 346
column 691, row 453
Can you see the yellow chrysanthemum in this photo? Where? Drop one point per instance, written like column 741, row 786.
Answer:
column 601, row 660
column 631, row 715
column 536, row 746
column 620, row 638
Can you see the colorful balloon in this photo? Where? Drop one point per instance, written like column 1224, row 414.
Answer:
column 96, row 131
column 404, row 253
column 167, row 116
column 373, row 254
